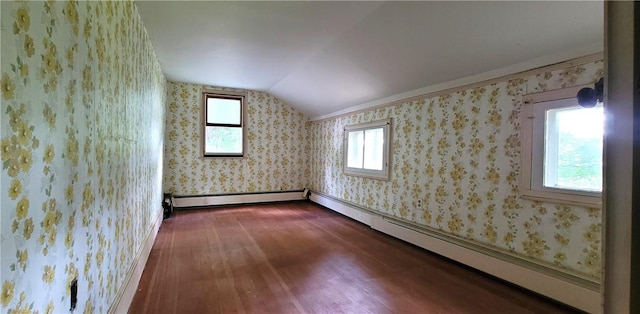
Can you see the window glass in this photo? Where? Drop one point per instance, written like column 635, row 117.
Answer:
column 223, row 140
column 223, row 111
column 573, row 148
column 356, row 142
column 374, row 149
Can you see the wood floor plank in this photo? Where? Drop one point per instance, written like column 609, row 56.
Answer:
column 302, row 258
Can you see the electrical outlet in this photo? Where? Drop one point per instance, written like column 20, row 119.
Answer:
column 74, row 294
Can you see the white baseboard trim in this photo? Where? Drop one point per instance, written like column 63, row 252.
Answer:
column 534, row 277
column 232, row 199
column 128, row 290
column 342, row 208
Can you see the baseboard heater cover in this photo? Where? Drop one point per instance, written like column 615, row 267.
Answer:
column 584, row 296
column 236, row 198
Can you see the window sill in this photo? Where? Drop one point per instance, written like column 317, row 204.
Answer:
column 562, row 198
column 223, row 156
column 382, row 177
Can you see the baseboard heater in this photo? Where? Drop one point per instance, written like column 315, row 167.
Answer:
column 188, row 201
column 569, row 289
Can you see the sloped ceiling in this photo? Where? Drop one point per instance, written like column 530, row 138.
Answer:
column 323, row 57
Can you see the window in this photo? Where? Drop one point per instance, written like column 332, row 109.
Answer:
column 366, row 149
column 562, row 149
column 223, row 125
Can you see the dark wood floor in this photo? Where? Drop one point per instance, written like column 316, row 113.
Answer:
column 302, row 258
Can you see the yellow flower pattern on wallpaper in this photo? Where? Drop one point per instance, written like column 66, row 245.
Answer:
column 459, row 154
column 276, row 149
column 83, row 100
column 83, row 125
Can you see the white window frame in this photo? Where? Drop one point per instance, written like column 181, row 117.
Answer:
column 225, row 95
column 532, row 150
column 383, row 174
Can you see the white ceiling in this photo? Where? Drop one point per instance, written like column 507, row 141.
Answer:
column 323, row 57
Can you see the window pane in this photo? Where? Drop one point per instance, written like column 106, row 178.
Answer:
column 355, row 143
column 374, row 149
column 223, row 111
column 223, row 140
column 573, row 148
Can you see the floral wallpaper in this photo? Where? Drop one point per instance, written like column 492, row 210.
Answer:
column 459, row 155
column 276, row 155
column 82, row 101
